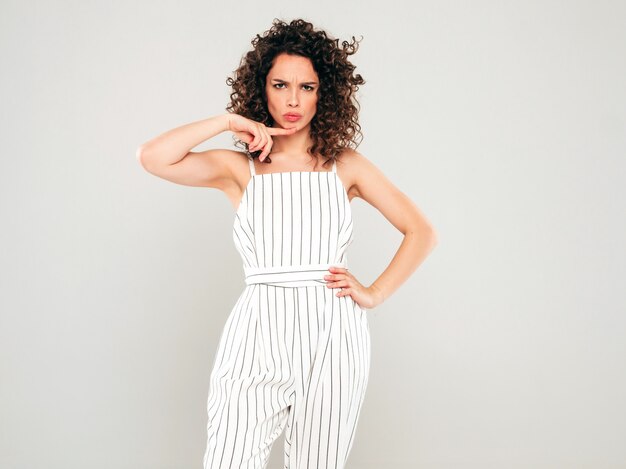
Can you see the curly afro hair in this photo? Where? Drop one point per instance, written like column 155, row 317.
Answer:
column 335, row 125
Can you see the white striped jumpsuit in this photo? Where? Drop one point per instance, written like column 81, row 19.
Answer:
column 292, row 354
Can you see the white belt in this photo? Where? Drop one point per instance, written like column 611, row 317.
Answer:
column 290, row 275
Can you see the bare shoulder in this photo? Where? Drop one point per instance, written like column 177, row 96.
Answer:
column 218, row 168
column 369, row 183
column 228, row 167
column 355, row 170
column 238, row 166
column 233, row 174
column 235, row 171
column 230, row 171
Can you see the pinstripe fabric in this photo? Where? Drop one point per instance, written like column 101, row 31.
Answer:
column 292, row 356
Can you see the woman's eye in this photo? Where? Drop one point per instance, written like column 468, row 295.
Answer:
column 309, row 87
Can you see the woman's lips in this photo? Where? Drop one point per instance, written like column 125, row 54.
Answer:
column 292, row 117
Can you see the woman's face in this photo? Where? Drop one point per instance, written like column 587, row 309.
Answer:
column 291, row 87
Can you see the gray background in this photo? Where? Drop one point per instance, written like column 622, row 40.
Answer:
column 503, row 121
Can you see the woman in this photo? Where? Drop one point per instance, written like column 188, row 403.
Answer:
column 295, row 349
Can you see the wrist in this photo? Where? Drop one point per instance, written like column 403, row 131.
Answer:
column 226, row 121
column 377, row 292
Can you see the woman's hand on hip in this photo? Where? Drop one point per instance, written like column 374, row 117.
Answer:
column 340, row 277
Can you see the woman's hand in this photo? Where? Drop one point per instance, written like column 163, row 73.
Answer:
column 366, row 297
column 255, row 134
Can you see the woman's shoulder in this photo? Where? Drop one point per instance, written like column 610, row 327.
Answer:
column 351, row 165
column 360, row 175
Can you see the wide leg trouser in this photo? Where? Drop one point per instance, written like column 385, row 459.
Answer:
column 294, row 359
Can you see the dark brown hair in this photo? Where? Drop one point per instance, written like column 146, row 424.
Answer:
column 335, row 124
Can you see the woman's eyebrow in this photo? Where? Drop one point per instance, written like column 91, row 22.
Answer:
column 303, row 83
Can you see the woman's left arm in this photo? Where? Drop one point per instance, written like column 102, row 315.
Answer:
column 420, row 237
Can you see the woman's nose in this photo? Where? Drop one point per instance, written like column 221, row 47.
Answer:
column 293, row 99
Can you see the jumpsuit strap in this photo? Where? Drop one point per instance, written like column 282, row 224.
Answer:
column 252, row 171
column 334, row 166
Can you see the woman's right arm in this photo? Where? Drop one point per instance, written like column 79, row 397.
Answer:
column 168, row 155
